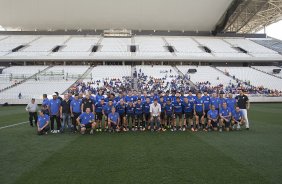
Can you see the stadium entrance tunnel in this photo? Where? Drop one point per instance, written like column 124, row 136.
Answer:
column 57, row 48
column 241, row 50
column 170, row 48
column 18, row 48
column 133, row 48
column 96, row 48
column 206, row 49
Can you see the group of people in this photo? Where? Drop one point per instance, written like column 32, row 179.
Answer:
column 133, row 111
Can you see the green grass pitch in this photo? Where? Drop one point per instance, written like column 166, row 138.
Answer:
column 253, row 156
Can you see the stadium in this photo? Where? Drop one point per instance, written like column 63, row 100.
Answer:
column 140, row 91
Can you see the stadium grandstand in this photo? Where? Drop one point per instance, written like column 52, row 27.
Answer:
column 62, row 50
column 138, row 50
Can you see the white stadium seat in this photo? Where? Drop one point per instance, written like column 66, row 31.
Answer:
column 255, row 77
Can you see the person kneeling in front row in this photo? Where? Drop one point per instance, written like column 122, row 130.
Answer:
column 86, row 120
column 113, row 120
column 43, row 123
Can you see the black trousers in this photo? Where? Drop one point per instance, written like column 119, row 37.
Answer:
column 58, row 121
column 75, row 116
column 46, row 129
column 33, row 115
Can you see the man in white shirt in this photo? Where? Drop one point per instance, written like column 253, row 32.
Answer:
column 155, row 110
column 32, row 108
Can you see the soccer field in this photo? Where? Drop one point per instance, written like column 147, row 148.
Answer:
column 253, row 156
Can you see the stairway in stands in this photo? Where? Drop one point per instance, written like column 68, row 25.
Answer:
column 26, row 79
column 182, row 75
column 266, row 72
column 83, row 76
column 135, row 80
column 227, row 75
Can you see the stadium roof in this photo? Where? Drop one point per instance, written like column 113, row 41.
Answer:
column 190, row 15
column 240, row 16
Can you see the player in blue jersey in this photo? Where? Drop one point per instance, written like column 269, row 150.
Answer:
column 231, row 102
column 54, row 109
column 221, row 99
column 146, row 112
column 237, row 119
column 162, row 116
column 191, row 98
column 114, row 120
column 130, row 115
column 86, row 121
column 121, row 110
column 169, row 111
column 75, row 108
column 45, row 104
column 215, row 101
column 129, row 97
column 106, row 111
column 199, row 112
column 99, row 106
column 212, row 118
column 178, row 111
column 187, row 107
column 166, row 96
column 43, row 123
column 225, row 117
column 207, row 103
column 138, row 110
column 99, row 96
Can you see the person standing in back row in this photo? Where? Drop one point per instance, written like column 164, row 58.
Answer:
column 244, row 104
column 31, row 108
column 54, row 111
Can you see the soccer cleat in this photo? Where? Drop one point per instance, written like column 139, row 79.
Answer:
column 91, row 131
column 233, row 127
column 183, row 129
column 52, row 131
column 247, row 128
column 220, row 130
column 192, row 129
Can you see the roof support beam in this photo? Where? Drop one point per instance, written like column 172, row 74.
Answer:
column 224, row 20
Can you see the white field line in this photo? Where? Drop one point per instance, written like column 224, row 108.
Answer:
column 8, row 126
